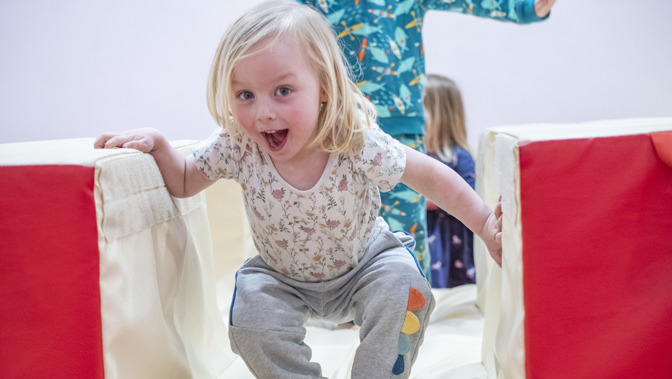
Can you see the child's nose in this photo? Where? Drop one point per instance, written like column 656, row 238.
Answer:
column 265, row 110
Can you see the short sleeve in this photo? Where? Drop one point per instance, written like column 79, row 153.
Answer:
column 382, row 160
column 219, row 157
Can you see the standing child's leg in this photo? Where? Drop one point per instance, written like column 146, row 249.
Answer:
column 404, row 209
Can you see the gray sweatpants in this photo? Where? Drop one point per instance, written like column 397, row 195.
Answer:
column 269, row 310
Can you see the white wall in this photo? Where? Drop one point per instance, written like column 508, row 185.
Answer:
column 76, row 68
column 591, row 60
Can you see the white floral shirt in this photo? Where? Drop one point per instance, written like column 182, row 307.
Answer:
column 316, row 234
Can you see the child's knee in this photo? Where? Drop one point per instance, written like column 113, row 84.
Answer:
column 403, row 304
column 418, row 309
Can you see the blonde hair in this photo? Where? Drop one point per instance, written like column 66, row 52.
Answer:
column 446, row 125
column 342, row 117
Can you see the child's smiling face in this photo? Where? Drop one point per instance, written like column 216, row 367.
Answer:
column 277, row 99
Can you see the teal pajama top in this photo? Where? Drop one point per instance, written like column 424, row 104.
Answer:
column 382, row 40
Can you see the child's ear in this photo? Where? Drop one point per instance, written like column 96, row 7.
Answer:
column 323, row 96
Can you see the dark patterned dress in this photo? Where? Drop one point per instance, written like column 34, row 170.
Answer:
column 450, row 242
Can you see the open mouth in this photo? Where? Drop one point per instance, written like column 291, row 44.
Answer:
column 276, row 139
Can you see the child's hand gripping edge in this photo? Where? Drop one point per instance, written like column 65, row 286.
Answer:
column 179, row 173
column 146, row 140
column 491, row 233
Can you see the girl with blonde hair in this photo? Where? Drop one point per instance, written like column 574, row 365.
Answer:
column 302, row 141
column 450, row 241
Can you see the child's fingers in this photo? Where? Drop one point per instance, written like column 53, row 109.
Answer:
column 101, row 141
column 115, row 140
column 140, row 139
column 129, row 141
column 141, row 144
column 497, row 256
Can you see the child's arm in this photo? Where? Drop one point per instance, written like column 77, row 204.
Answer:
column 518, row 11
column 451, row 193
column 180, row 174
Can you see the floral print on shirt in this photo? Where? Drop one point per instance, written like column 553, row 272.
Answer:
column 316, row 234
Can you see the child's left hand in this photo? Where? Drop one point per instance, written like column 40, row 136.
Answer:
column 492, row 232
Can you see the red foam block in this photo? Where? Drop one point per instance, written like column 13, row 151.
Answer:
column 597, row 258
column 50, row 321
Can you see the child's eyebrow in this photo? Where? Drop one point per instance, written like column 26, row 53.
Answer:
column 280, row 78
column 236, row 83
column 289, row 75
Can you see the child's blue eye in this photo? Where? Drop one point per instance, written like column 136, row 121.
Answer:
column 283, row 91
column 246, row 95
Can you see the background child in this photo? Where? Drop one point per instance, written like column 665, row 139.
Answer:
column 450, row 242
column 300, row 138
column 383, row 40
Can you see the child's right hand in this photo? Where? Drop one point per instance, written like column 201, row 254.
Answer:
column 145, row 140
column 179, row 172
